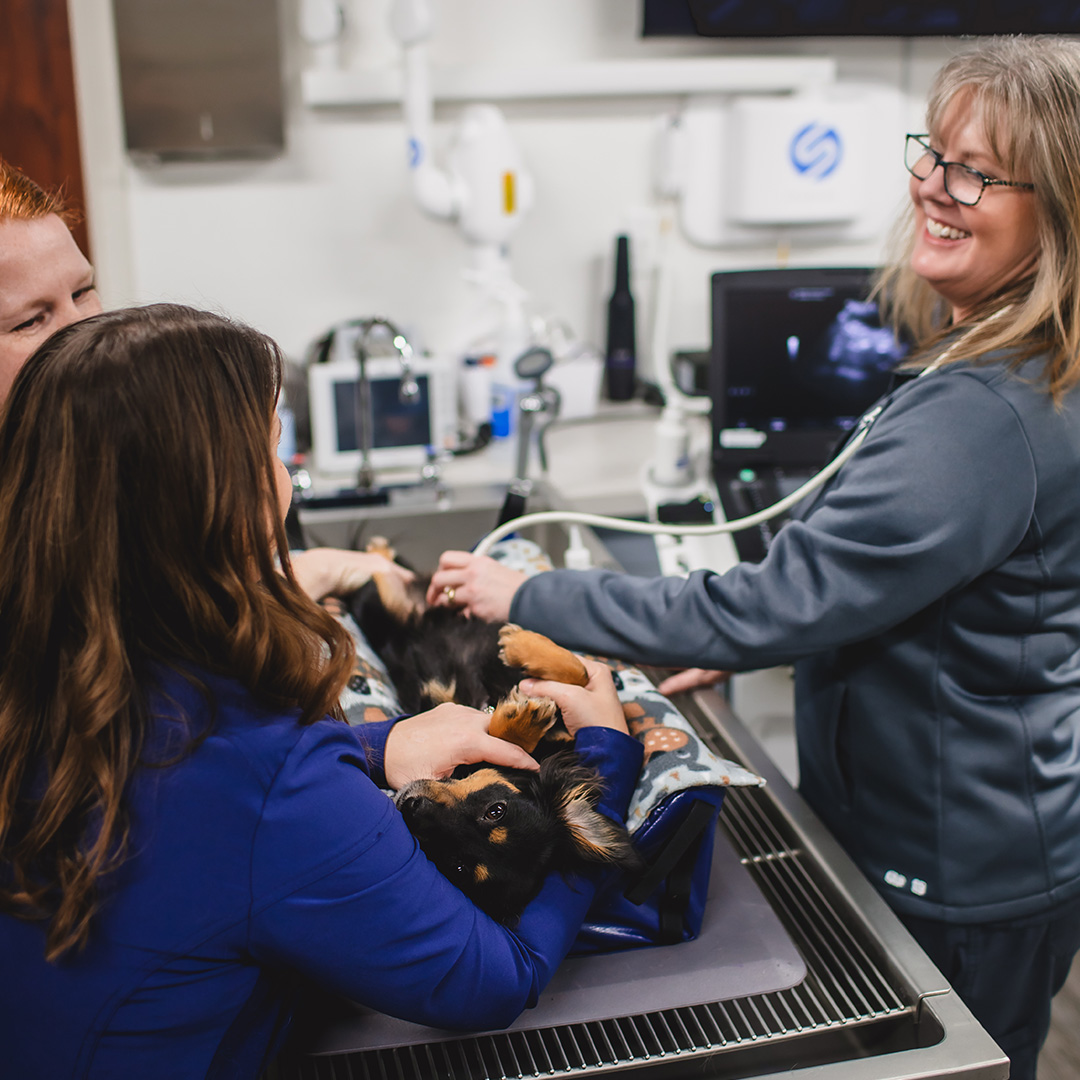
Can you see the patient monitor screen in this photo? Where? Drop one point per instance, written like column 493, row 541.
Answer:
column 798, row 350
column 394, row 422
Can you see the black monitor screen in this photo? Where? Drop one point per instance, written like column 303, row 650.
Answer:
column 793, row 18
column 797, row 350
column 395, row 423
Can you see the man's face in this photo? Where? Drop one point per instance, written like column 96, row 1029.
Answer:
column 45, row 283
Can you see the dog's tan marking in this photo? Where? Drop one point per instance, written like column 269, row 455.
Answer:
column 433, row 790
column 481, row 873
column 379, row 545
column 396, row 597
column 540, row 657
column 482, row 778
column 439, row 692
column 522, row 720
column 499, row 835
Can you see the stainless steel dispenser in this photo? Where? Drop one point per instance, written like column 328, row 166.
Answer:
column 200, row 78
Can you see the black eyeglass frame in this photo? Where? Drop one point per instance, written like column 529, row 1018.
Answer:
column 986, row 181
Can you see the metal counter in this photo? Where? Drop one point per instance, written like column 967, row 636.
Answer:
column 871, row 1007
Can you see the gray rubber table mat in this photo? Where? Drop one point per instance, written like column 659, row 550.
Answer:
column 742, row 950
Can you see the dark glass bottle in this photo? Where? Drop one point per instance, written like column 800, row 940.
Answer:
column 621, row 349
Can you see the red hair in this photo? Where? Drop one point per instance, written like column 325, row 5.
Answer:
column 23, row 200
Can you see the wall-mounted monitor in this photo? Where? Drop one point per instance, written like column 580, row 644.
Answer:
column 841, row 18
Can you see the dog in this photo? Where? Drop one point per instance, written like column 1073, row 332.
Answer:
column 495, row 832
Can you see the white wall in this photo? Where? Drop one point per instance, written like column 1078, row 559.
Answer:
column 329, row 231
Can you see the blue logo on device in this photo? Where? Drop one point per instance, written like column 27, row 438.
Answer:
column 816, row 150
column 415, row 153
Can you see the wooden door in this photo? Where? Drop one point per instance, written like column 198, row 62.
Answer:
column 39, row 128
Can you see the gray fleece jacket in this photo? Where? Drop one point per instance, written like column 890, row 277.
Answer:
column 930, row 601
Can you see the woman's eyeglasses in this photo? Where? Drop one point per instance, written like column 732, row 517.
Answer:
column 962, row 183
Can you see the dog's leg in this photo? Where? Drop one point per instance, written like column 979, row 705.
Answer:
column 400, row 599
column 522, row 720
column 539, row 656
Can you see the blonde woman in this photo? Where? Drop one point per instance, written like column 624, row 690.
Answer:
column 930, row 596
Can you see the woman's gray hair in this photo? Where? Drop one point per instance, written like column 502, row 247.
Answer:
column 1025, row 91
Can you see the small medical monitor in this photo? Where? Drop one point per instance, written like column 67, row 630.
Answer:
column 393, row 422
column 797, row 356
column 402, row 432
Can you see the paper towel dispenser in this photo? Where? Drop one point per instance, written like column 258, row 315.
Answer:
column 200, row 78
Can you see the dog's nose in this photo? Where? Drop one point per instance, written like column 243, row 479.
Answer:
column 411, row 790
column 414, row 807
column 405, row 799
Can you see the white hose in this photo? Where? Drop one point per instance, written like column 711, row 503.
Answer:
column 653, row 529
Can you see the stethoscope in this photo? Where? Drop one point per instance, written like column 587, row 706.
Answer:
column 859, row 433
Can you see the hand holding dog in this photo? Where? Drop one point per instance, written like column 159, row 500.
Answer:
column 594, row 705
column 476, row 584
column 430, row 745
column 324, row 571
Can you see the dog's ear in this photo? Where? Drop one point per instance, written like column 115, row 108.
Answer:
column 592, row 836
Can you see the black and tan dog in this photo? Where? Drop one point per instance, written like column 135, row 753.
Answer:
column 495, row 832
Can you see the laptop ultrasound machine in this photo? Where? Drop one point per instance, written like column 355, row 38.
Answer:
column 797, row 356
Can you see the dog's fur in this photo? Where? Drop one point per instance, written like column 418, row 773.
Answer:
column 495, row 832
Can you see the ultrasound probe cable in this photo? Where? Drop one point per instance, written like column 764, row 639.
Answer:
column 650, row 528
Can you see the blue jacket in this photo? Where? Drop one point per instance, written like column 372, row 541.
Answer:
column 930, row 600
column 269, row 854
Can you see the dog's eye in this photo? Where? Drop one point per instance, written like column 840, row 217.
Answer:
column 460, row 868
column 495, row 811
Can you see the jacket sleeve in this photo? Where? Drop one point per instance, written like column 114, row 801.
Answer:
column 941, row 491
column 373, row 736
column 342, row 893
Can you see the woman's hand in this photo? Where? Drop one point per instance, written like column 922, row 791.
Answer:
column 594, row 705
column 474, row 583
column 334, row 572
column 692, row 679
column 432, row 744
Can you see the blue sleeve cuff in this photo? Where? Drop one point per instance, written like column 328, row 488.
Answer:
column 373, row 738
column 618, row 758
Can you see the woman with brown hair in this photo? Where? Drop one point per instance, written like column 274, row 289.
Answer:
column 184, row 833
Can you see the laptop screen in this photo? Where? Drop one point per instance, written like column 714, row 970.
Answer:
column 797, row 356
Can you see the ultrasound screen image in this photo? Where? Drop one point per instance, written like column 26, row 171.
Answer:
column 803, row 357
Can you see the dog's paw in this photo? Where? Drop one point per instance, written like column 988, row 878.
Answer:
column 379, row 545
column 539, row 656
column 522, row 720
